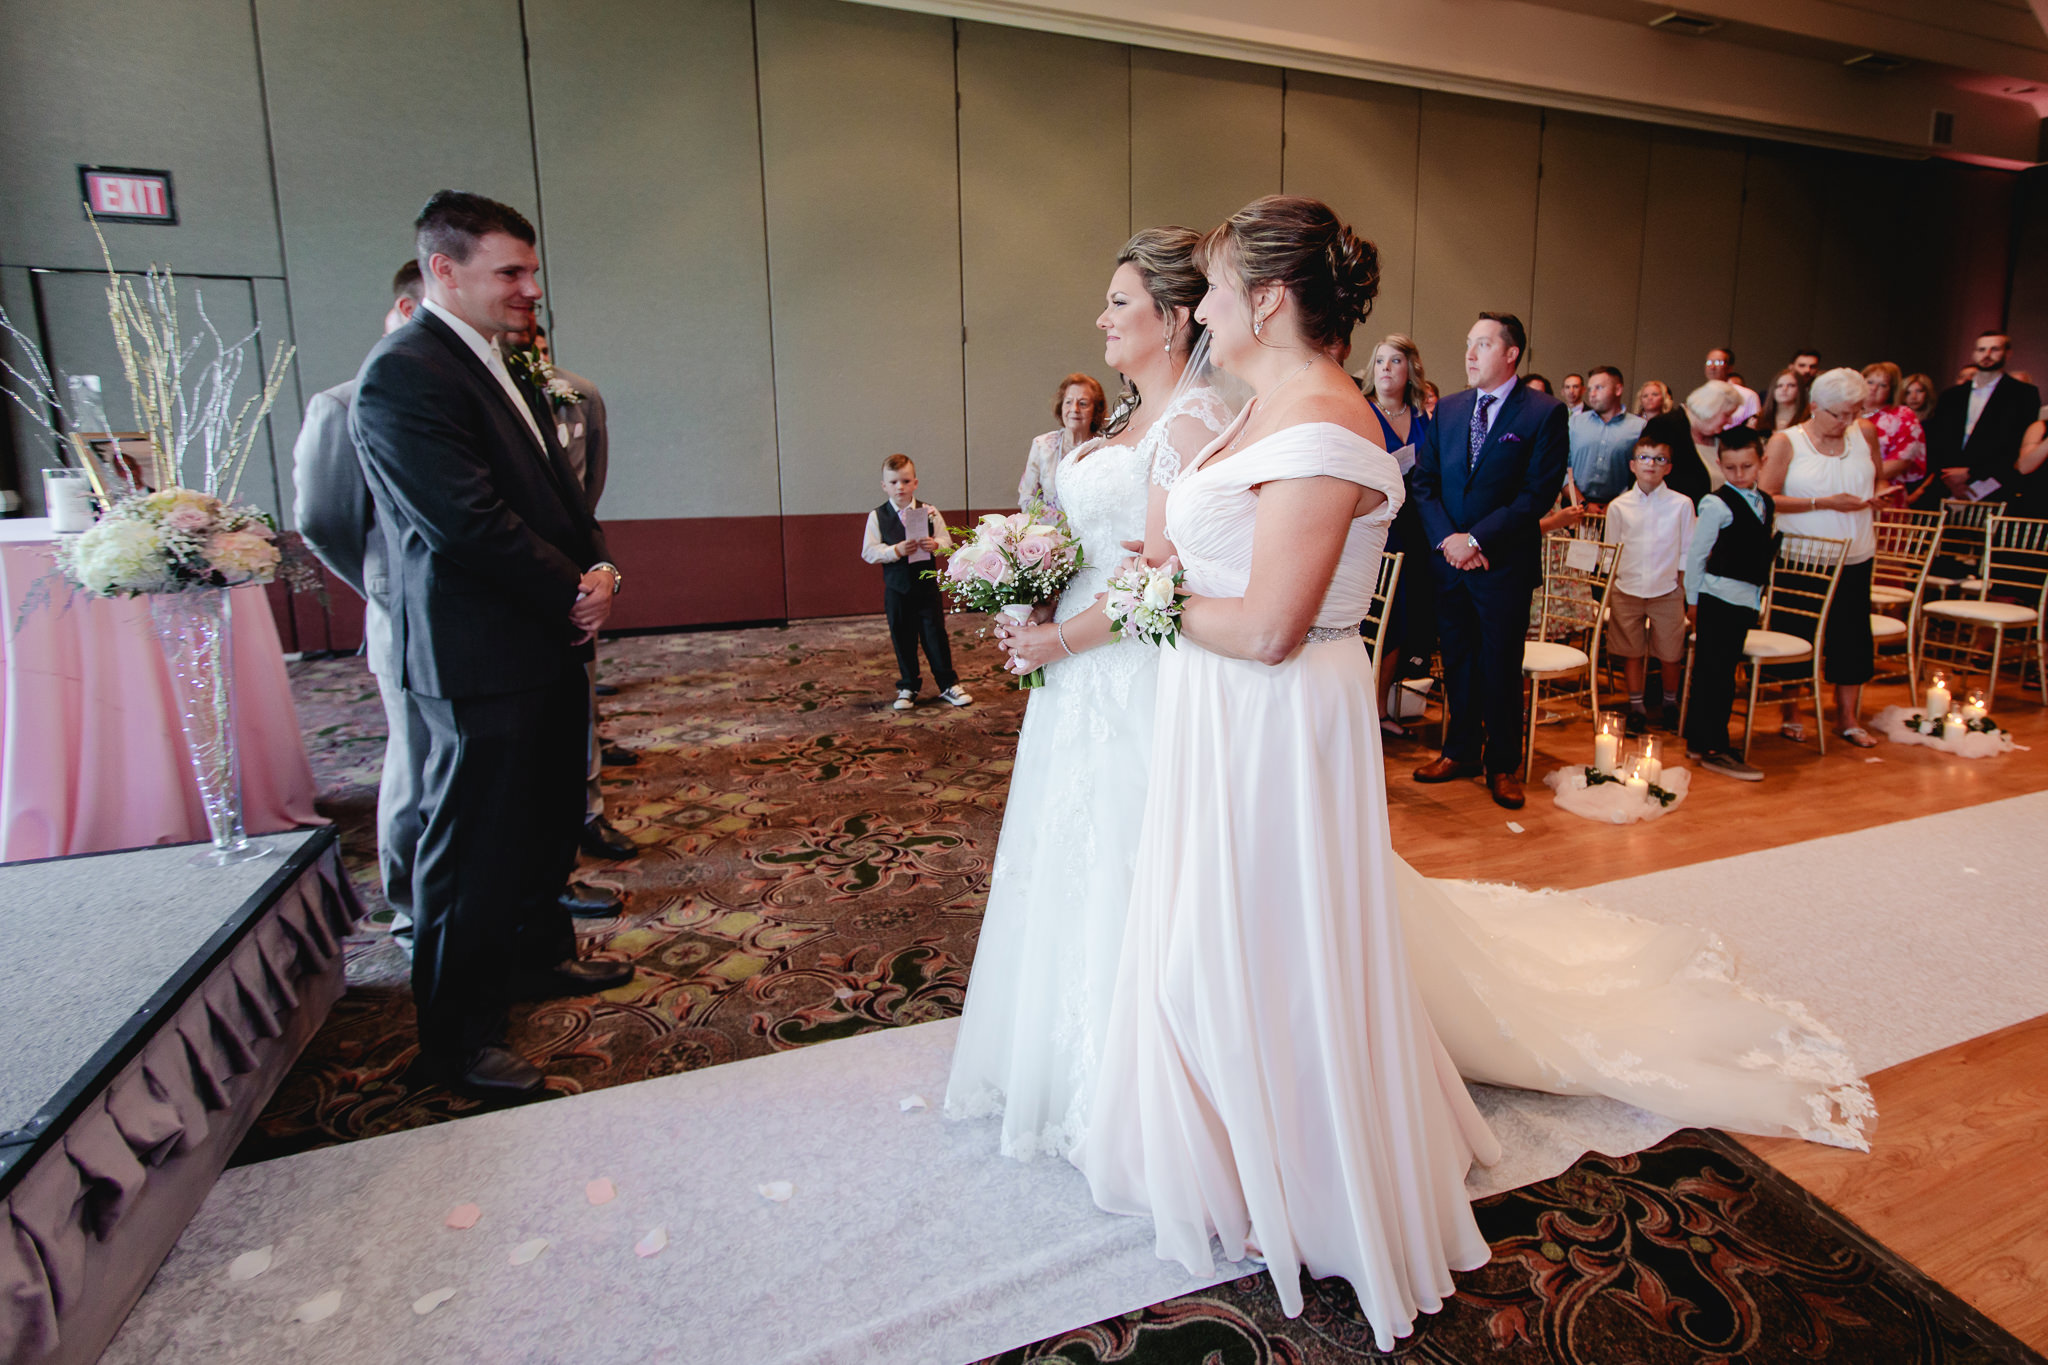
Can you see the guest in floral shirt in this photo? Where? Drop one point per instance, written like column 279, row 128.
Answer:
column 1901, row 444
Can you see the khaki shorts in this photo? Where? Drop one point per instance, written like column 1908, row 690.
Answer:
column 1662, row 619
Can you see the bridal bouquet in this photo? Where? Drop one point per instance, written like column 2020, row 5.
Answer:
column 1010, row 564
column 1144, row 602
column 173, row 540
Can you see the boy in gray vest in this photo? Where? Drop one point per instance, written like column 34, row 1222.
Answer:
column 902, row 536
column 1727, row 567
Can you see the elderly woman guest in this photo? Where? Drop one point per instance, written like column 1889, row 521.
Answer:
column 1396, row 394
column 1786, row 404
column 1824, row 475
column 1082, row 410
column 1693, row 435
column 1917, row 395
column 1653, row 399
column 1901, row 444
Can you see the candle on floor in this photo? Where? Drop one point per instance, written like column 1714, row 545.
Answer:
column 1635, row 784
column 1955, row 719
column 1606, row 747
column 1974, row 708
column 1937, row 698
column 1651, row 765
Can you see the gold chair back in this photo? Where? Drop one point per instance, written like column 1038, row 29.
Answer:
column 1381, row 612
column 2016, row 561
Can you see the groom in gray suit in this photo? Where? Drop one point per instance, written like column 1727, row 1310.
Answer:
column 332, row 509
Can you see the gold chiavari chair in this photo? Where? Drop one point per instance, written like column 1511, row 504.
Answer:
column 1906, row 542
column 1570, row 614
column 2011, row 600
column 1802, row 588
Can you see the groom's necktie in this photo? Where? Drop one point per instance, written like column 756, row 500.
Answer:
column 1479, row 411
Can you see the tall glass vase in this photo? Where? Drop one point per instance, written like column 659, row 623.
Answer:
column 195, row 630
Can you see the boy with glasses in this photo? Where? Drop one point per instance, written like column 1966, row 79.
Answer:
column 1653, row 525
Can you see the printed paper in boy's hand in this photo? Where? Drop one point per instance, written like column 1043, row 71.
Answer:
column 917, row 524
column 1582, row 555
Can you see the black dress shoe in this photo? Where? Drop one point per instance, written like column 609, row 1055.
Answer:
column 571, row 976
column 606, row 690
column 591, row 902
column 600, row 840
column 498, row 1073
column 617, row 756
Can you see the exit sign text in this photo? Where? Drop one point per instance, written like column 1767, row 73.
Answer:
column 123, row 194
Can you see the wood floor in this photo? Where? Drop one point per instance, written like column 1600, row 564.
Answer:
column 1954, row 1181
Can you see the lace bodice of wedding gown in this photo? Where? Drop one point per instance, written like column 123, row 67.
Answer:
column 1038, row 998
column 1212, row 510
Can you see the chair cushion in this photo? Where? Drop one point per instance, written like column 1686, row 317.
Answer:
column 1886, row 627
column 1544, row 656
column 1880, row 592
column 1775, row 644
column 1989, row 613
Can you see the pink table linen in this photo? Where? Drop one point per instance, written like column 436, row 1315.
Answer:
column 91, row 755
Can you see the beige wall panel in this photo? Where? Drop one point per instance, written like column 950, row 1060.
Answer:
column 1777, row 264
column 1353, row 145
column 1475, row 223
column 1044, row 205
column 1860, row 247
column 374, row 105
column 1205, row 138
column 857, row 130
column 134, row 83
column 1589, row 244
column 657, row 273
column 1692, row 226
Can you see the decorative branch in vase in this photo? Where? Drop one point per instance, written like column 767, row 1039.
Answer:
column 173, row 531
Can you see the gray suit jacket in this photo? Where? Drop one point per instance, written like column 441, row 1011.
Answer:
column 585, row 439
column 335, row 515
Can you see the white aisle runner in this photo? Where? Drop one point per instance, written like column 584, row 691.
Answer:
column 906, row 1238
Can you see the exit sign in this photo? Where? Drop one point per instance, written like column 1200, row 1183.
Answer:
column 123, row 194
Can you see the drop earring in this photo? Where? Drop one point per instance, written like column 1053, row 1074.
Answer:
column 1258, row 325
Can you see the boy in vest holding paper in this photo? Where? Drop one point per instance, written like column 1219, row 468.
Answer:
column 1727, row 568
column 902, row 536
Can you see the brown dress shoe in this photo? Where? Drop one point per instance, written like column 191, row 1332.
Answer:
column 1444, row 768
column 1506, row 789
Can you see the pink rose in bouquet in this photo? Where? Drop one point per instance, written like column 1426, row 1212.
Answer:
column 1012, row 564
column 240, row 556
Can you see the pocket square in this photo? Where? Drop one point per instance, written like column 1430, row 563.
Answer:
column 1508, row 436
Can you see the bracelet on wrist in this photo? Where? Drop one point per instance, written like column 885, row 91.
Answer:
column 1059, row 632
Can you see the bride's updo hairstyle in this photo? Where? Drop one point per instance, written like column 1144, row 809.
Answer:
column 1165, row 257
column 1331, row 272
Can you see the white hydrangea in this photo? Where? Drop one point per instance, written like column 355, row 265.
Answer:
column 117, row 556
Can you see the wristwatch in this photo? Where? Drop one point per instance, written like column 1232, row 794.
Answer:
column 618, row 579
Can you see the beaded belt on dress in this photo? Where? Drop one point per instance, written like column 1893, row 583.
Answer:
column 1317, row 634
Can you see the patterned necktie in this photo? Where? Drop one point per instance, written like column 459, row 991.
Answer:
column 1479, row 411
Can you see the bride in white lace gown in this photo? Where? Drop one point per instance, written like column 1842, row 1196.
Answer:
column 1273, row 1075
column 1038, row 999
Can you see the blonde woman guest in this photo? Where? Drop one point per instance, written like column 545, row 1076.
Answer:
column 1081, row 408
column 1786, row 404
column 1653, row 399
column 1901, row 443
column 1917, row 395
column 1825, row 478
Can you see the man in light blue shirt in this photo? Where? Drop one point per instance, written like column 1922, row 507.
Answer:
column 1603, row 434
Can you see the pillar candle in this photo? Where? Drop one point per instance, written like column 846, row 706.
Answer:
column 1937, row 701
column 1606, row 752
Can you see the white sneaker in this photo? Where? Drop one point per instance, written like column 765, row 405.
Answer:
column 953, row 696
column 905, row 699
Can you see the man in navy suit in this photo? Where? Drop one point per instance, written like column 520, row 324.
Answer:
column 1489, row 467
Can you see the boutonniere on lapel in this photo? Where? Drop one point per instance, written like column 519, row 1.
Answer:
column 526, row 361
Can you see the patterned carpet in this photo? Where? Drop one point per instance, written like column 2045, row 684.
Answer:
column 1694, row 1252
column 813, row 866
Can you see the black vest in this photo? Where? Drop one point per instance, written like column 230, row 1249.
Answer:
column 1747, row 545
column 899, row 575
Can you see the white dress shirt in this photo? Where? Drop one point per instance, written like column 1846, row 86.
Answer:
column 1654, row 531
column 875, row 550
column 494, row 362
column 1980, row 394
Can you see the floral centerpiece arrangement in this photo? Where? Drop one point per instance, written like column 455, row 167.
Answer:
column 174, row 530
column 1009, row 565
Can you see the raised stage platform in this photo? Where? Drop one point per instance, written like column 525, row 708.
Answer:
column 151, row 1008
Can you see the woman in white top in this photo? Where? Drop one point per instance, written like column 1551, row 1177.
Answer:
column 1826, row 478
column 1082, row 410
